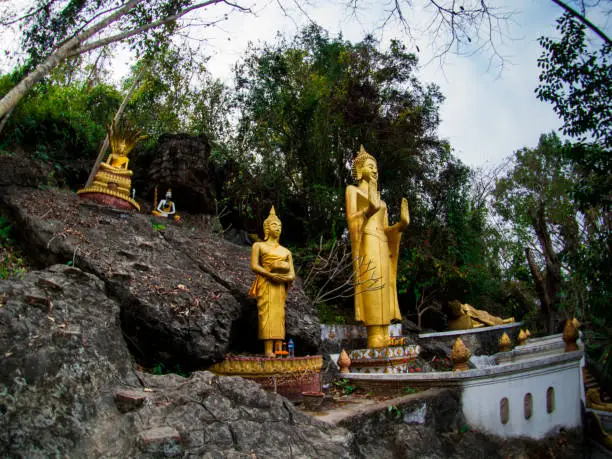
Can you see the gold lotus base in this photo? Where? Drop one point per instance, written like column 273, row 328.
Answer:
column 289, row 376
column 266, row 366
column 94, row 191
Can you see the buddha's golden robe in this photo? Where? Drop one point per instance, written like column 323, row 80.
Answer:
column 375, row 247
column 271, row 296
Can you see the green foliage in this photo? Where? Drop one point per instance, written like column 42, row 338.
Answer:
column 395, row 412
column 306, row 107
column 328, row 314
column 410, row 390
column 6, row 229
column 599, row 339
column 449, row 251
column 577, row 80
column 158, row 226
column 61, row 124
column 163, row 369
column 345, row 386
column 536, row 199
column 50, row 25
column 13, row 263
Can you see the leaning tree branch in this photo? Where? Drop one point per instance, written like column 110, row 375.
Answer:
column 74, row 46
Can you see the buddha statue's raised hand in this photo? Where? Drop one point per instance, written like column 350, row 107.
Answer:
column 373, row 197
column 404, row 214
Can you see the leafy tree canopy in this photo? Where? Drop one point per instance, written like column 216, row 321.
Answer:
column 577, row 79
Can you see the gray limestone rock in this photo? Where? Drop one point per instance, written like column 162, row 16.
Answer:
column 62, row 353
column 182, row 290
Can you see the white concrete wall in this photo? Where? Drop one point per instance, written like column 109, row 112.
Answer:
column 481, row 400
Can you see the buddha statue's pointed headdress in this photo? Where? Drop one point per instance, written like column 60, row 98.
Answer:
column 268, row 221
column 358, row 162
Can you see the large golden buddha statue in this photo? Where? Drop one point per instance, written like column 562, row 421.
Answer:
column 375, row 250
column 273, row 265
column 113, row 180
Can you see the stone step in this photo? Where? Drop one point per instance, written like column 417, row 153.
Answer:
column 160, row 441
column 129, row 400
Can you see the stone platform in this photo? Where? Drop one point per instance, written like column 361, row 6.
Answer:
column 288, row 376
column 393, row 359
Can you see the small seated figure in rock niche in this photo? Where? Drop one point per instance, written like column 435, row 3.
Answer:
column 273, row 265
column 166, row 207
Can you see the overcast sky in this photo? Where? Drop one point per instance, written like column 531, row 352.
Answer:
column 487, row 114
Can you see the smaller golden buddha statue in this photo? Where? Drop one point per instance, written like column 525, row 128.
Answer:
column 166, row 208
column 273, row 265
column 113, row 180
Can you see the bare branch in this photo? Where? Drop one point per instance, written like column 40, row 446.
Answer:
column 32, row 13
column 335, row 271
column 152, row 25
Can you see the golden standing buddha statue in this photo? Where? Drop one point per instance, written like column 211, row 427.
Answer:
column 273, row 265
column 375, row 247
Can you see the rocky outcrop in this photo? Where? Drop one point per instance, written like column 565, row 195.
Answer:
column 68, row 388
column 209, row 416
column 61, row 354
column 20, row 169
column 182, row 290
column 182, row 162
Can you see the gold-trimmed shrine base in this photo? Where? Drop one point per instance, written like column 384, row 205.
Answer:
column 289, row 376
column 393, row 359
column 105, row 198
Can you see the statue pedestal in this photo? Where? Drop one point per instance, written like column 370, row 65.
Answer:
column 392, row 359
column 288, row 376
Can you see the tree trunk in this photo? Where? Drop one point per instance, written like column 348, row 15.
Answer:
column 116, row 119
column 541, row 290
column 551, row 280
column 4, row 120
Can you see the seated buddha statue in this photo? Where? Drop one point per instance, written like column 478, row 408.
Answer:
column 112, row 182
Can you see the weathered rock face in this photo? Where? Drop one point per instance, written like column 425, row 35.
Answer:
column 20, row 169
column 229, row 417
column 67, row 388
column 181, row 162
column 62, row 351
column 182, row 292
